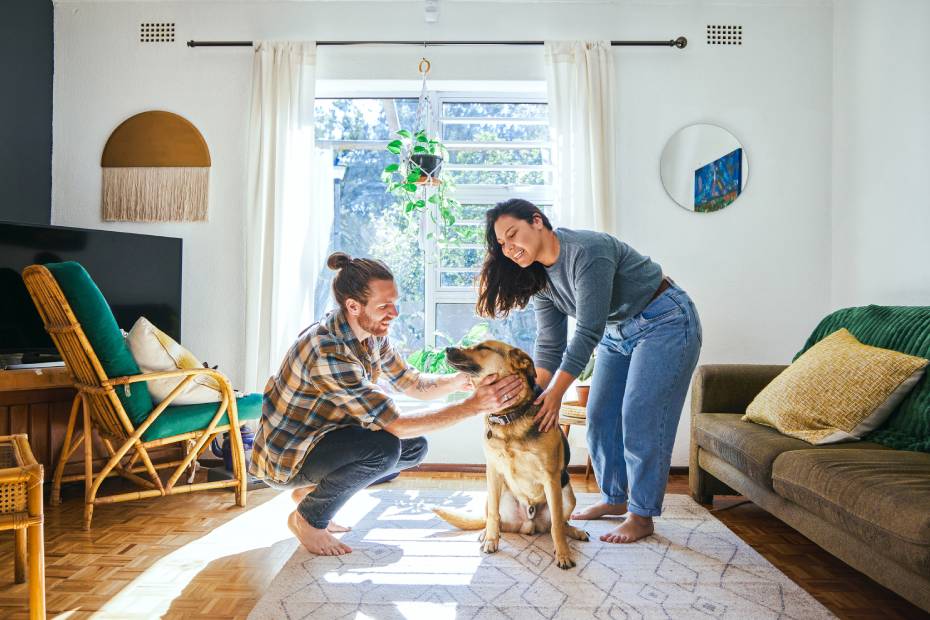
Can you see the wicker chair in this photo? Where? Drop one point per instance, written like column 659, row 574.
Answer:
column 21, row 511
column 105, row 406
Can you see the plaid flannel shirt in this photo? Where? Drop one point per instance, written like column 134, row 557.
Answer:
column 327, row 381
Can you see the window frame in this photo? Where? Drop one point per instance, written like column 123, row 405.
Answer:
column 542, row 195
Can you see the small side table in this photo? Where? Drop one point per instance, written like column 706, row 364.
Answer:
column 21, row 511
column 572, row 414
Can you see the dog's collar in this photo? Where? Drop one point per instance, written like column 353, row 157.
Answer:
column 507, row 418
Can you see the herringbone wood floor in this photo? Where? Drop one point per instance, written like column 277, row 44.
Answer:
column 133, row 558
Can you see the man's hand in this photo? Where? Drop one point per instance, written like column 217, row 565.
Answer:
column 463, row 382
column 493, row 394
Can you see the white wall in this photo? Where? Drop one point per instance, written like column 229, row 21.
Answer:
column 759, row 271
column 881, row 166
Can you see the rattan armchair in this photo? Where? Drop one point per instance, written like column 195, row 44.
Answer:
column 21, row 511
column 102, row 410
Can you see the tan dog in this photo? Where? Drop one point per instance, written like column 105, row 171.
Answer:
column 527, row 471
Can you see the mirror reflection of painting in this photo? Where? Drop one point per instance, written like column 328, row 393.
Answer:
column 704, row 168
column 718, row 183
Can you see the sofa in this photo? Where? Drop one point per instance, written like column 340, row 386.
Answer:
column 866, row 502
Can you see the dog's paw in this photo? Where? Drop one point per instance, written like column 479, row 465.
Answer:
column 490, row 545
column 564, row 561
column 578, row 534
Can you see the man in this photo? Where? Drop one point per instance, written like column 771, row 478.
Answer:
column 327, row 430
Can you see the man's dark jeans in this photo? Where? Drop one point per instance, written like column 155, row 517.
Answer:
column 348, row 460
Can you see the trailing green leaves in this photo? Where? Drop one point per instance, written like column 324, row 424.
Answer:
column 418, row 189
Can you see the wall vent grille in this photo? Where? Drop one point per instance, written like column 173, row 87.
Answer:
column 721, row 34
column 156, row 32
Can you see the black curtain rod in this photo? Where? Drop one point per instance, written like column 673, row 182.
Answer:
column 680, row 43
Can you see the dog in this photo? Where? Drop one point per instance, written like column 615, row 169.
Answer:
column 527, row 470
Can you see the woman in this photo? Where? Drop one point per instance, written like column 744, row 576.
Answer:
column 648, row 337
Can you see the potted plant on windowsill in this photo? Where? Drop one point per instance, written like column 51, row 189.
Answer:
column 418, row 179
column 583, row 382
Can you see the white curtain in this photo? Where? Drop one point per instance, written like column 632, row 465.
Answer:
column 287, row 226
column 580, row 81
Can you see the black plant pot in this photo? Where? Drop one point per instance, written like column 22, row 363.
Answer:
column 430, row 165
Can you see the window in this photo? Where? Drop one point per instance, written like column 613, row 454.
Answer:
column 498, row 148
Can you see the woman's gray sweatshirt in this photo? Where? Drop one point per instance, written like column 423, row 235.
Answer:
column 597, row 279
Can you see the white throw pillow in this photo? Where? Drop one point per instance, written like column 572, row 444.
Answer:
column 154, row 350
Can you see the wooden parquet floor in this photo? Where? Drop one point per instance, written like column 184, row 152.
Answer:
column 198, row 556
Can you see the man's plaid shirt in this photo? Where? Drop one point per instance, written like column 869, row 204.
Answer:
column 327, row 381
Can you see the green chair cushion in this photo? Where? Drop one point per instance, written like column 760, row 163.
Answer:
column 900, row 328
column 186, row 418
column 96, row 319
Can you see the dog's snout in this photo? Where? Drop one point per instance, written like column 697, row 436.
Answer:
column 453, row 353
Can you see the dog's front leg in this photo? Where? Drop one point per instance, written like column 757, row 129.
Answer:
column 492, row 528
column 563, row 553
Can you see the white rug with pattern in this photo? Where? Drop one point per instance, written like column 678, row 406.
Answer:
column 407, row 563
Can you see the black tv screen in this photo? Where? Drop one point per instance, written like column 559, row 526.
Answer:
column 139, row 275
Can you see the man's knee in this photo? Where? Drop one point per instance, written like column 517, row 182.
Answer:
column 385, row 450
column 414, row 451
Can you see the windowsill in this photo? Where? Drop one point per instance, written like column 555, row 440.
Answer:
column 406, row 403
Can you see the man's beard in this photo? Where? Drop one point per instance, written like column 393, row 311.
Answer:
column 375, row 328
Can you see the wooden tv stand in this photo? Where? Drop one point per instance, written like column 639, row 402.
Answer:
column 37, row 402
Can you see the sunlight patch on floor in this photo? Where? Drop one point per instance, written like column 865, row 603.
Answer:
column 150, row 595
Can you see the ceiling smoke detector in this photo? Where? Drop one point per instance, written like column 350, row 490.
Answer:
column 431, row 11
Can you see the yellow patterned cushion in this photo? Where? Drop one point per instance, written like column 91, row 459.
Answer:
column 839, row 390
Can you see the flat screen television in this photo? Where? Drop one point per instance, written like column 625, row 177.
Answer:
column 139, row 275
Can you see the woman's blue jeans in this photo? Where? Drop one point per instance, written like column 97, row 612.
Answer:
column 638, row 388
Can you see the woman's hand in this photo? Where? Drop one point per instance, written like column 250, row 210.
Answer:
column 550, row 402
column 493, row 394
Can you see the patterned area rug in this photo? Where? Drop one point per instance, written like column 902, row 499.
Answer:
column 407, row 563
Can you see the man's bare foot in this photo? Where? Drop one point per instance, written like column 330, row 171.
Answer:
column 298, row 494
column 315, row 540
column 634, row 528
column 598, row 510
column 335, row 528
column 302, row 492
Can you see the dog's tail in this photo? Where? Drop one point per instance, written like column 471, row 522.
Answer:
column 461, row 520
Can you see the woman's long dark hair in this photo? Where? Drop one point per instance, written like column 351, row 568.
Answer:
column 503, row 284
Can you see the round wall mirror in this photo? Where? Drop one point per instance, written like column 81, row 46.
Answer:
column 704, row 168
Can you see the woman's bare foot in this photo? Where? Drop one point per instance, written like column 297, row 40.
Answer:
column 598, row 510
column 315, row 540
column 298, row 494
column 634, row 528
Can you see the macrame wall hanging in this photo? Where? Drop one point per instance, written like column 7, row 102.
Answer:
column 156, row 168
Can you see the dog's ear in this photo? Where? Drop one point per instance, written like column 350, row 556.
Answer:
column 523, row 364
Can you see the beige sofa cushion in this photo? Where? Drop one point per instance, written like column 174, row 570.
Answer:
column 751, row 448
column 879, row 496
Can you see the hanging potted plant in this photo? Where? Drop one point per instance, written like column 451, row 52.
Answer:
column 417, row 177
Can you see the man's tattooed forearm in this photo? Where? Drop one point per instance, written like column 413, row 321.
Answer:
column 425, row 384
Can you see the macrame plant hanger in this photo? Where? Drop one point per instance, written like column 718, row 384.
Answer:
column 421, row 123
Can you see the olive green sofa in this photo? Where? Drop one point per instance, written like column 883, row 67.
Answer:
column 867, row 502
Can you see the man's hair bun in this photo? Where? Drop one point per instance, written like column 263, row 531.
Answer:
column 338, row 260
